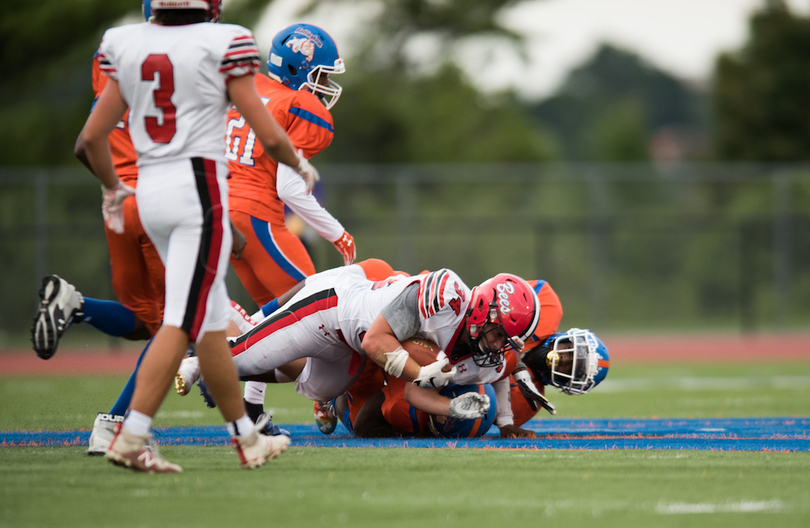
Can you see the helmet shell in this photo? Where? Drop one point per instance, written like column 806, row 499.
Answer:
column 213, row 7
column 595, row 363
column 507, row 301
column 299, row 54
column 449, row 427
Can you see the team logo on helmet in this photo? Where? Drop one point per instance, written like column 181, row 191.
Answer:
column 304, row 46
column 505, row 289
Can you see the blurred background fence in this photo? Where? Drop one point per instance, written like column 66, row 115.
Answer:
column 633, row 247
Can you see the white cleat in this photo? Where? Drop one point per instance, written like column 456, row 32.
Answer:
column 254, row 449
column 59, row 304
column 103, row 433
column 134, row 452
column 187, row 375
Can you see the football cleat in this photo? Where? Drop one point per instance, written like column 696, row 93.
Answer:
column 103, row 433
column 187, row 375
column 325, row 417
column 135, row 452
column 59, row 304
column 269, row 428
column 254, row 449
column 209, row 400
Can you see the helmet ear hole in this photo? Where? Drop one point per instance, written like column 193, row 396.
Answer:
column 293, row 69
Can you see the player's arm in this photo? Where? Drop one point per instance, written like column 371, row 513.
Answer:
column 109, row 110
column 92, row 140
column 293, row 192
column 242, row 93
column 504, row 419
column 427, row 400
column 384, row 348
column 78, row 151
column 468, row 406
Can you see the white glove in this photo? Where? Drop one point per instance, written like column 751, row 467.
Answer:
column 469, row 406
column 307, row 171
column 432, row 377
column 112, row 208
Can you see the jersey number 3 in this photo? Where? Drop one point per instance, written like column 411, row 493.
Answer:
column 160, row 64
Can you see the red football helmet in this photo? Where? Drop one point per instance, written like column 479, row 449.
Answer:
column 214, row 7
column 509, row 303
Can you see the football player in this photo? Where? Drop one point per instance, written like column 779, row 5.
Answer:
column 137, row 278
column 575, row 362
column 298, row 93
column 178, row 75
column 339, row 316
column 376, row 406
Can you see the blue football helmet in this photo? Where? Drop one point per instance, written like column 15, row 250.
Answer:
column 576, row 361
column 146, row 6
column 448, row 427
column 300, row 54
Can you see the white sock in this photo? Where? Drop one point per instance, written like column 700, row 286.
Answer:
column 138, row 423
column 240, row 427
column 254, row 392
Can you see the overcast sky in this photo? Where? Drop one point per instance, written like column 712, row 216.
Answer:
column 679, row 36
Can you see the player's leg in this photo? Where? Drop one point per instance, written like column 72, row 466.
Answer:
column 274, row 260
column 325, row 378
column 104, row 424
column 174, row 221
column 136, row 278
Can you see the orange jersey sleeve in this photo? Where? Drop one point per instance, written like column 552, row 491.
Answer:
column 551, row 311
column 123, row 152
column 253, row 174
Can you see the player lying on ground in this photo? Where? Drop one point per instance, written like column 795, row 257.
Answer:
column 574, row 361
column 339, row 316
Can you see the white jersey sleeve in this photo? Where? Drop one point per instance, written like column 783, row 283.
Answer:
column 293, row 191
column 443, row 300
column 174, row 79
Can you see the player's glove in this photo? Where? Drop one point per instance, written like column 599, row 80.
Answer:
column 529, row 391
column 307, row 171
column 469, row 406
column 432, row 376
column 345, row 244
column 112, row 205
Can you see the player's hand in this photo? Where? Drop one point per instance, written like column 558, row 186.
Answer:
column 529, row 391
column 433, row 376
column 307, row 171
column 112, row 205
column 345, row 244
column 469, row 406
column 513, row 431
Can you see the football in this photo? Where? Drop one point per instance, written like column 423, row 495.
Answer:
column 422, row 351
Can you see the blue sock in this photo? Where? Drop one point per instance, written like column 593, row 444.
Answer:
column 122, row 403
column 270, row 307
column 111, row 317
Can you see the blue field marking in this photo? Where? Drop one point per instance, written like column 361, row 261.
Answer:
column 730, row 434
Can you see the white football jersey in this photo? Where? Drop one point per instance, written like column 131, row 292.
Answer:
column 443, row 300
column 174, row 79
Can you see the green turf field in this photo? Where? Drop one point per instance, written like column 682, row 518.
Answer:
column 413, row 487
